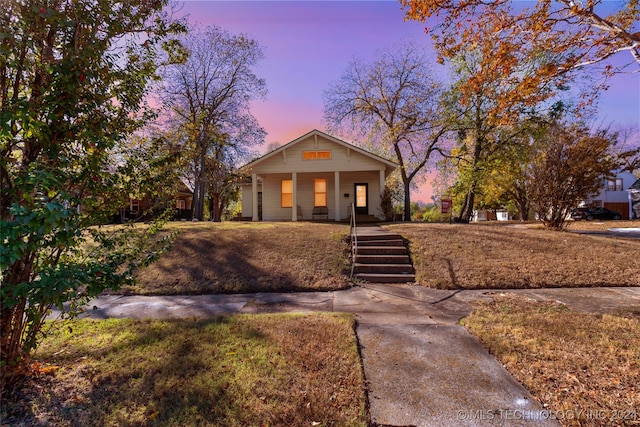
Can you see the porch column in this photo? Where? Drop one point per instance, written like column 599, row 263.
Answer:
column 254, row 196
column 336, row 191
column 381, row 182
column 294, row 201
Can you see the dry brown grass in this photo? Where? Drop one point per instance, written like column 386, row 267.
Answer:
column 458, row 256
column 601, row 225
column 585, row 368
column 571, row 225
column 267, row 370
column 234, row 257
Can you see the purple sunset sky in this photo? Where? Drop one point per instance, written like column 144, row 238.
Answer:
column 308, row 44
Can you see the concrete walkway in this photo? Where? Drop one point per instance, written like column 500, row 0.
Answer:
column 421, row 367
column 626, row 233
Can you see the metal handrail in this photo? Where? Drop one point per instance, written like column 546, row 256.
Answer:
column 354, row 239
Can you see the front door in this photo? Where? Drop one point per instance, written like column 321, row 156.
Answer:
column 362, row 199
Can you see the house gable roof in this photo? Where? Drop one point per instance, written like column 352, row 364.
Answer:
column 635, row 186
column 388, row 163
column 182, row 187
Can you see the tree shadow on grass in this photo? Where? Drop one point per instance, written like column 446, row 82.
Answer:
column 177, row 372
column 205, row 262
column 209, row 265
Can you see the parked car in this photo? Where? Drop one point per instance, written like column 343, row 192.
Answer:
column 594, row 213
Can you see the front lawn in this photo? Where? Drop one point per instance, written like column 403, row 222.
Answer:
column 244, row 370
column 242, row 257
column 584, row 368
column 210, row 258
column 474, row 256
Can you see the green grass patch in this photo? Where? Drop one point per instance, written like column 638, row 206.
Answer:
column 583, row 367
column 234, row 371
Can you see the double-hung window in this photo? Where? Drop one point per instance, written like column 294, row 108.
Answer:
column 614, row 185
column 286, row 198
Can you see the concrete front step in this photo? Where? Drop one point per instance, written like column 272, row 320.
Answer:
column 391, row 242
column 366, row 219
column 383, row 268
column 382, row 259
column 385, row 278
column 382, row 250
column 377, row 236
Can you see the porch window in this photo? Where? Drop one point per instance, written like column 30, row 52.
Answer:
column 320, row 192
column 180, row 204
column 287, row 193
column 316, row 155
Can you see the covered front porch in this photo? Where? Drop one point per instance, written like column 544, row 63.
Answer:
column 293, row 196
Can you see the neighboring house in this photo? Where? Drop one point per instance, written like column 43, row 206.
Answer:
column 614, row 194
column 490, row 215
column 142, row 208
column 183, row 201
column 634, row 199
column 315, row 176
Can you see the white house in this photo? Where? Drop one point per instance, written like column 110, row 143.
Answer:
column 614, row 194
column 315, row 176
column 634, row 200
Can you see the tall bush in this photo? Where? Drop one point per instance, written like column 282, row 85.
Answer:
column 73, row 79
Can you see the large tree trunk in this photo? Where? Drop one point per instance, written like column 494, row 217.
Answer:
column 216, row 206
column 520, row 197
column 198, row 200
column 467, row 208
column 199, row 190
column 466, row 213
column 407, row 201
column 523, row 209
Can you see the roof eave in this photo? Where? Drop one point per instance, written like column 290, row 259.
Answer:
column 392, row 165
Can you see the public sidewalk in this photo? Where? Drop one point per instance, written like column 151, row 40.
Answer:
column 421, row 367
